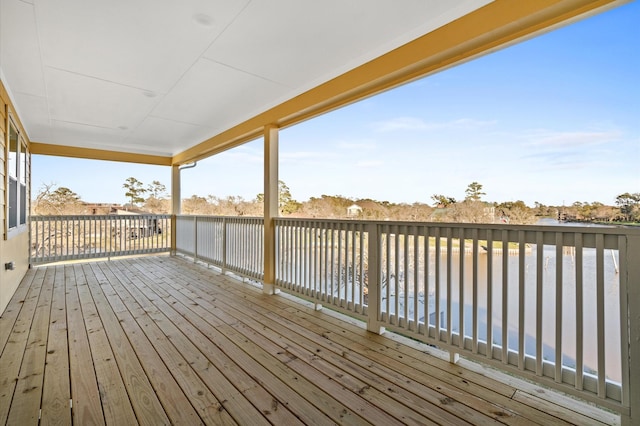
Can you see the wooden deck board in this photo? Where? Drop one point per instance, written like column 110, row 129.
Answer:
column 116, row 406
column 237, row 391
column 85, row 395
column 56, row 392
column 145, row 403
column 466, row 385
column 160, row 340
column 26, row 409
column 14, row 350
column 175, row 403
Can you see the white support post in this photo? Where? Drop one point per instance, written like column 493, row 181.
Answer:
column 271, row 211
column 632, row 281
column 374, row 284
column 175, row 205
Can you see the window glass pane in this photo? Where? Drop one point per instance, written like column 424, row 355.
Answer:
column 13, row 203
column 13, row 152
column 23, row 163
column 23, row 204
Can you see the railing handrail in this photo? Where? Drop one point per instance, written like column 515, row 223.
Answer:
column 220, row 217
column 591, row 229
column 98, row 216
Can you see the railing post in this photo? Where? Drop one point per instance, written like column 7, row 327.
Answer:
column 271, row 209
column 632, row 284
column 175, row 207
column 374, row 285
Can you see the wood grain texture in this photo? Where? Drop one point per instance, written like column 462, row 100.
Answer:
column 161, row 340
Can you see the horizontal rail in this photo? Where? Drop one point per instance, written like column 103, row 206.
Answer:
column 76, row 237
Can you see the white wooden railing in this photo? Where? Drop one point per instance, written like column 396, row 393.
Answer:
column 555, row 304
column 552, row 304
column 234, row 244
column 326, row 261
column 61, row 238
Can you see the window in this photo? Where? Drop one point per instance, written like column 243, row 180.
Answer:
column 17, row 179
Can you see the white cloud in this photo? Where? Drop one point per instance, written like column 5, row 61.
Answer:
column 415, row 123
column 401, row 123
column 306, row 155
column 369, row 164
column 356, row 145
column 561, row 140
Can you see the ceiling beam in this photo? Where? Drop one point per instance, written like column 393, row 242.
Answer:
column 498, row 24
column 97, row 154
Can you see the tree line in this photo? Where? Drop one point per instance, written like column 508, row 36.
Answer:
column 153, row 198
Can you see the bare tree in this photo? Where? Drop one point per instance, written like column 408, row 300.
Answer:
column 61, row 200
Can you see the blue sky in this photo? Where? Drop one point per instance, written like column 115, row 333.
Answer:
column 555, row 120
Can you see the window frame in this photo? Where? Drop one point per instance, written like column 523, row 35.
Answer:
column 21, row 179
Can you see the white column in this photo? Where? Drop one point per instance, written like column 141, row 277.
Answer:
column 374, row 285
column 175, row 204
column 271, row 210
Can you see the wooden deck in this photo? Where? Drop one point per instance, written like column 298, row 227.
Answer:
column 161, row 340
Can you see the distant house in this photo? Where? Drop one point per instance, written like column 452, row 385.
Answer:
column 101, row 208
column 354, row 210
column 135, row 227
column 129, row 211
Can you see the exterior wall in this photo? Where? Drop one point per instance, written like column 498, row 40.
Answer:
column 13, row 248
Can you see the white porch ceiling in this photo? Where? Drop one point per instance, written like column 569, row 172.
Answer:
column 181, row 79
column 160, row 76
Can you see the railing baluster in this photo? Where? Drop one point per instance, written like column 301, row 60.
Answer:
column 437, row 283
column 521, row 300
column 505, row 296
column 539, row 300
column 449, row 286
column 353, row 265
column 416, row 277
column 388, row 271
column 602, row 390
column 291, row 255
column 404, row 231
column 361, row 271
column 579, row 312
column 558, row 308
column 396, row 267
column 427, row 270
column 489, row 294
column 475, row 301
column 461, row 284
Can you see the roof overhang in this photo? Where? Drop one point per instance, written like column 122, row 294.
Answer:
column 71, row 97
